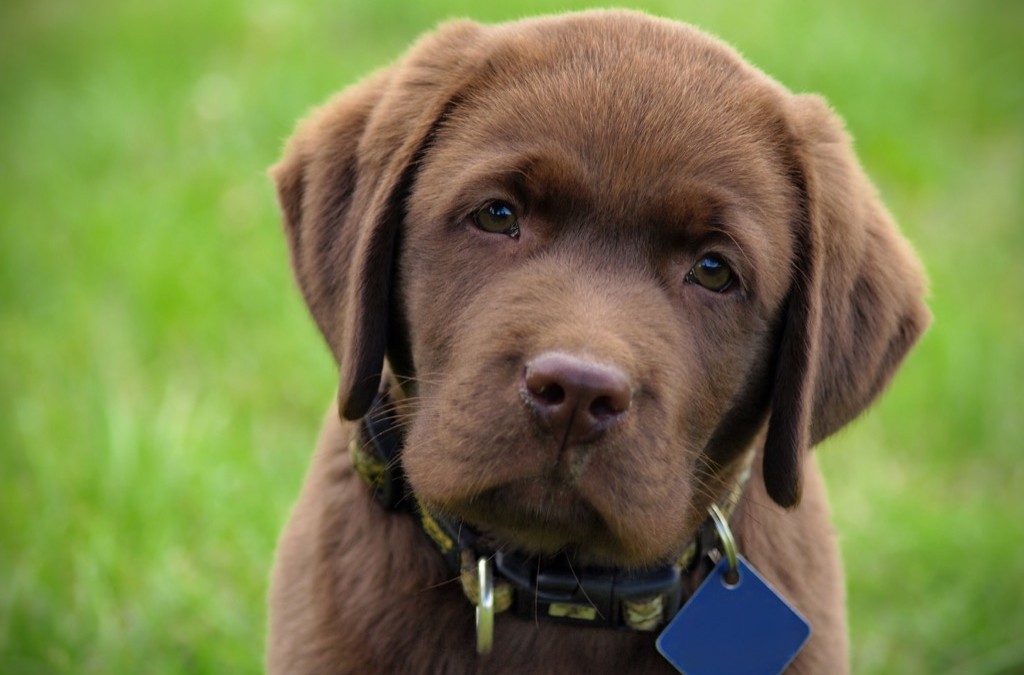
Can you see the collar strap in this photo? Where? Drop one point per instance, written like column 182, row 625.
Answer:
column 530, row 588
column 376, row 454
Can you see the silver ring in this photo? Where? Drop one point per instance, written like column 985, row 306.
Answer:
column 725, row 537
column 485, row 608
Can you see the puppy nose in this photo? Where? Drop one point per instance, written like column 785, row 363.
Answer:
column 574, row 398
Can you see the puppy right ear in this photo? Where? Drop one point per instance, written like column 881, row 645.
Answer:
column 342, row 185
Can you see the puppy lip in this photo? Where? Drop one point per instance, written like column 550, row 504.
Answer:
column 544, row 499
column 543, row 516
column 541, row 512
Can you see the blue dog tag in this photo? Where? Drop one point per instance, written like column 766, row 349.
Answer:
column 747, row 629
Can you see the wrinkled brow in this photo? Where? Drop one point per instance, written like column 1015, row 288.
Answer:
column 536, row 180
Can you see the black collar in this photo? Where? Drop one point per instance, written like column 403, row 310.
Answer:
column 528, row 587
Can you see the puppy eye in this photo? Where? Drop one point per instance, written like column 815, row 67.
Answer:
column 712, row 273
column 498, row 217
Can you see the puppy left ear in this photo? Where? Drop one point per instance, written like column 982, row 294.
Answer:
column 342, row 185
column 855, row 307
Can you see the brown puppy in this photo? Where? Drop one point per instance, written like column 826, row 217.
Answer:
column 604, row 262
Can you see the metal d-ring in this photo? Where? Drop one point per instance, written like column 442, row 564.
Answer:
column 485, row 607
column 726, row 539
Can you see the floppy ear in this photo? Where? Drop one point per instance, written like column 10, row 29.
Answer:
column 855, row 308
column 342, row 185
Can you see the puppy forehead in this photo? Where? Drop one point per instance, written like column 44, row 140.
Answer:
column 633, row 100
column 620, row 85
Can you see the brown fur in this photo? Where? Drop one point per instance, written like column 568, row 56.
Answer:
column 632, row 147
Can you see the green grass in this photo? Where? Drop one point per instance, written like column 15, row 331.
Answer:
column 161, row 386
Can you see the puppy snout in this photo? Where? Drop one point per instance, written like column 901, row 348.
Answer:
column 574, row 398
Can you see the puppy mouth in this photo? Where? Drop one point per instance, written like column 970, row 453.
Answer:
column 541, row 517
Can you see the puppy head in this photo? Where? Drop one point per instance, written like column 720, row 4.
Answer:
column 604, row 208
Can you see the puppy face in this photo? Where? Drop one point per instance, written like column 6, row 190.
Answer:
column 606, row 258
column 619, row 187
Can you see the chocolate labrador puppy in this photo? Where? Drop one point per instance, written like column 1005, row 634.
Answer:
column 588, row 279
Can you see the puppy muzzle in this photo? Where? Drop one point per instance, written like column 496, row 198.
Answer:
column 550, row 587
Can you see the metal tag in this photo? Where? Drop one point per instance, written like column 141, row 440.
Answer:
column 746, row 628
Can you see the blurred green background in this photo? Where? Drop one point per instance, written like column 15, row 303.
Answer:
column 161, row 384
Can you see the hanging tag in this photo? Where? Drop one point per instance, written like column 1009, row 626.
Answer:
column 746, row 629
